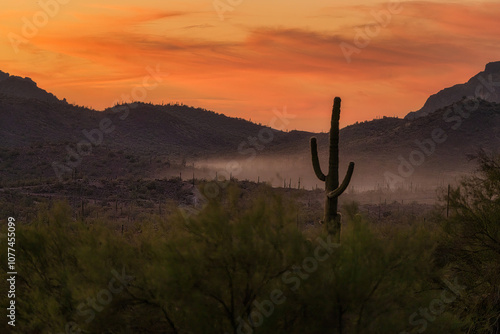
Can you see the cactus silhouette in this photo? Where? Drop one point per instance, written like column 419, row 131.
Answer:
column 332, row 188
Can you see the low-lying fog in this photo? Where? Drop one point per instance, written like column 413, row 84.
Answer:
column 288, row 172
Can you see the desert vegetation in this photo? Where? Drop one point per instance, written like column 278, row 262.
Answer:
column 332, row 219
column 241, row 264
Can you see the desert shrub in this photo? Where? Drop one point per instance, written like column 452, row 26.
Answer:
column 241, row 268
column 369, row 284
column 237, row 265
column 207, row 270
column 60, row 265
column 472, row 246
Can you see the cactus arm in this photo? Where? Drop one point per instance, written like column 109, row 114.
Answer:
column 315, row 160
column 337, row 192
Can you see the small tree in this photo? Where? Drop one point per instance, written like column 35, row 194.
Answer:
column 473, row 244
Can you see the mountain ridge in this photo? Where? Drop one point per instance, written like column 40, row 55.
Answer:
column 147, row 139
column 16, row 86
column 485, row 85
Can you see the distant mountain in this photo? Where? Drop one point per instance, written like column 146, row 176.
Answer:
column 11, row 85
column 433, row 145
column 36, row 133
column 139, row 127
column 485, row 85
column 146, row 140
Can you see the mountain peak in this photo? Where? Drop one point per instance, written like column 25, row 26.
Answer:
column 6, row 76
column 489, row 80
column 492, row 67
column 11, row 85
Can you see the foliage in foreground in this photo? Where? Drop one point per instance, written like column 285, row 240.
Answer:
column 472, row 245
column 241, row 266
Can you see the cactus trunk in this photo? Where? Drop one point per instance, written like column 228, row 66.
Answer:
column 332, row 179
column 333, row 190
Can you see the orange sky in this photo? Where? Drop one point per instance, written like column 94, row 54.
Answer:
column 255, row 57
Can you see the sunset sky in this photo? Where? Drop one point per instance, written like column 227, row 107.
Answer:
column 256, row 56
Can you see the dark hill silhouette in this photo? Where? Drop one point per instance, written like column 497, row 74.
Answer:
column 485, row 85
column 14, row 86
column 463, row 133
column 36, row 129
column 142, row 127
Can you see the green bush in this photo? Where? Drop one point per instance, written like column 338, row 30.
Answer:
column 238, row 265
column 473, row 244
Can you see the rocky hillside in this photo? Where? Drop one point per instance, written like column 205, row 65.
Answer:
column 14, row 86
column 38, row 132
column 484, row 85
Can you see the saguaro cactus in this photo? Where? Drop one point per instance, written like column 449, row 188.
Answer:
column 333, row 190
